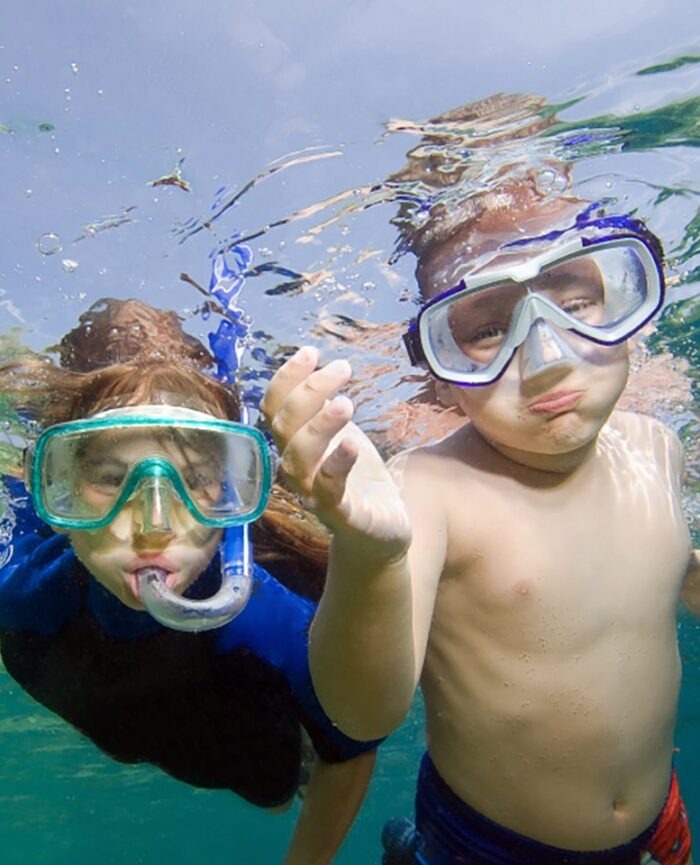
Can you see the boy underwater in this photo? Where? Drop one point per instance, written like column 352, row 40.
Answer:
column 141, row 466
column 526, row 569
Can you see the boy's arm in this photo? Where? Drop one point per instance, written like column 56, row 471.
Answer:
column 333, row 798
column 369, row 635
column 675, row 457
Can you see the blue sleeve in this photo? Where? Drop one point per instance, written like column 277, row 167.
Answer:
column 38, row 591
column 275, row 627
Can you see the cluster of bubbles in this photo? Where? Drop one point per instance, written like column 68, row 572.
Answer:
column 50, row 243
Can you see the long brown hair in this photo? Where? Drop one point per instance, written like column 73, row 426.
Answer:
column 126, row 352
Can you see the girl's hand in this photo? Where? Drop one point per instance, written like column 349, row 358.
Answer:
column 329, row 460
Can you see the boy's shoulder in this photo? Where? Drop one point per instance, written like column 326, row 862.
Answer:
column 642, row 425
column 426, row 467
column 648, row 435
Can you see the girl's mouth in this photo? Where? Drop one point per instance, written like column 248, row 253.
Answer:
column 168, row 577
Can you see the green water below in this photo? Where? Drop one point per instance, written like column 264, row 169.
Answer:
column 62, row 802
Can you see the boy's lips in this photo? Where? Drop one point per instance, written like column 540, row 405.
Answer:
column 555, row 402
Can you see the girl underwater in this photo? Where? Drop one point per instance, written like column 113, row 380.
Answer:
column 141, row 469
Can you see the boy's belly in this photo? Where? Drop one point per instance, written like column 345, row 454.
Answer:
column 572, row 750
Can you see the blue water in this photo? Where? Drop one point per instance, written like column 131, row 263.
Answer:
column 96, row 101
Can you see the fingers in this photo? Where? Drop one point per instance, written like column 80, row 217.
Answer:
column 299, row 392
column 305, row 415
column 287, row 377
column 309, row 446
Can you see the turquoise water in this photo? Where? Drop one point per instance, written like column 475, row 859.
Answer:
column 62, row 801
column 95, row 104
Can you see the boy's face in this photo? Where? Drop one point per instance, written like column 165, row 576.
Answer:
column 555, row 412
column 547, row 411
column 114, row 554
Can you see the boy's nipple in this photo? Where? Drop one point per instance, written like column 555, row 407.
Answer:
column 523, row 589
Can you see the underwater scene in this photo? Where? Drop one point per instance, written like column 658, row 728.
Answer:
column 270, row 174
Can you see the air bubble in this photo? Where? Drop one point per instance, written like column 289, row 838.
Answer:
column 548, row 181
column 70, row 265
column 74, row 68
column 48, row 243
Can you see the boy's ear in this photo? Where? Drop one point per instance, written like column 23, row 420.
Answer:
column 443, row 392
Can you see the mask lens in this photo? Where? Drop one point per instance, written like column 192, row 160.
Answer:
column 603, row 293
column 73, row 483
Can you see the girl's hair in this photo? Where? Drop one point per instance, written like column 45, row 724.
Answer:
column 125, row 352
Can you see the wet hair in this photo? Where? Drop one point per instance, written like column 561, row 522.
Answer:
column 448, row 193
column 115, row 331
column 126, row 352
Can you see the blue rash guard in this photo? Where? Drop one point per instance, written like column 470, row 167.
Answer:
column 223, row 708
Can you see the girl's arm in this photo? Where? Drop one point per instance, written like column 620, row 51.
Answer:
column 333, row 799
column 37, row 587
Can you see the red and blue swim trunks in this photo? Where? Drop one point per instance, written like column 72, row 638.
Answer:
column 450, row 832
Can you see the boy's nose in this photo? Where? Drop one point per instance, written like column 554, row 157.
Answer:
column 544, row 349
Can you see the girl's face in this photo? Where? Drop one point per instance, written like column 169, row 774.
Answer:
column 154, row 528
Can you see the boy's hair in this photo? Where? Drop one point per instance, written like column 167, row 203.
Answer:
column 447, row 178
column 126, row 352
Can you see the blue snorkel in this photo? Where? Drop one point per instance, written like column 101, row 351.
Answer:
column 236, row 552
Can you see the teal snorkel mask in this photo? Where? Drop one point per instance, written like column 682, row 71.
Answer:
column 161, row 461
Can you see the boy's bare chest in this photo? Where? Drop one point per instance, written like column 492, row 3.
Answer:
column 590, row 556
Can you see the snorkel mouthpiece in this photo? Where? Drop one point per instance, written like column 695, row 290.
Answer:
column 184, row 614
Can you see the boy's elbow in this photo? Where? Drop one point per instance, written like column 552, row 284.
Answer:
column 366, row 718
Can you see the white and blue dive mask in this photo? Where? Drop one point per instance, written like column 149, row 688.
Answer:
column 158, row 460
column 600, row 279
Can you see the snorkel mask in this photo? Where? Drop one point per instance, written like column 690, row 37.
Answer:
column 162, row 461
column 601, row 279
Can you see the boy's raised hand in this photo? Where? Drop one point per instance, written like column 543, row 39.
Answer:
column 329, row 460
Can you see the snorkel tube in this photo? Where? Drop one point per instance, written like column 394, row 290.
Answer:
column 227, row 344
column 185, row 614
